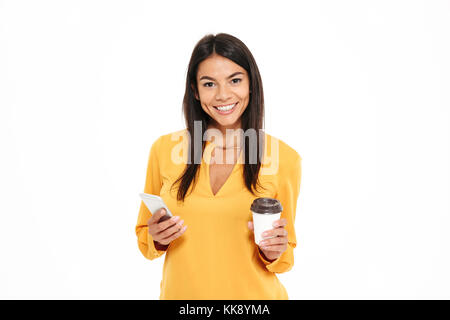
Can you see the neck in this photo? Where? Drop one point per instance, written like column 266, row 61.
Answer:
column 232, row 140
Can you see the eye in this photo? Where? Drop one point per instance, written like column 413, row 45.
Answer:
column 206, row 84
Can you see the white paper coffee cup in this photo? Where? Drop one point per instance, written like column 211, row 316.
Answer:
column 263, row 222
column 265, row 211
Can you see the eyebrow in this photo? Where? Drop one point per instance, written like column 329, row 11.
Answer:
column 231, row 76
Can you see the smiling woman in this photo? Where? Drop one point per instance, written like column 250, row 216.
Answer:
column 217, row 258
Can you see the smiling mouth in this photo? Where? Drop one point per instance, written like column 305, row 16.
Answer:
column 225, row 108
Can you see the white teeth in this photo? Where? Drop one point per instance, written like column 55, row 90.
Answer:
column 226, row 108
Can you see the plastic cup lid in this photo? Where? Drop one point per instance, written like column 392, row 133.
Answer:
column 266, row 206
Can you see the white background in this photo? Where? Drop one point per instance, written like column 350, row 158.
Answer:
column 359, row 88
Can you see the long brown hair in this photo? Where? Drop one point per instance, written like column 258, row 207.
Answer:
column 234, row 49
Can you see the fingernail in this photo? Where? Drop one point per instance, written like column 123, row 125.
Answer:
column 181, row 222
column 176, row 218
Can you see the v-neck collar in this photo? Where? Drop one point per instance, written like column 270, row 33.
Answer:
column 208, row 151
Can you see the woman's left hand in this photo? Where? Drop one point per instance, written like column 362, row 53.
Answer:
column 274, row 247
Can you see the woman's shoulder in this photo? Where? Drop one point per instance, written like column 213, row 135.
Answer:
column 168, row 140
column 168, row 147
column 287, row 154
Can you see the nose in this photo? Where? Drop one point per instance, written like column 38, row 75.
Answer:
column 222, row 94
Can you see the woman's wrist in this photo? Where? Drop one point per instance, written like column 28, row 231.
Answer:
column 264, row 256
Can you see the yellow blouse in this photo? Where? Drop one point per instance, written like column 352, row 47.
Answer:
column 216, row 257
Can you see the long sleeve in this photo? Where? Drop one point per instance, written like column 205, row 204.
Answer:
column 287, row 193
column 153, row 184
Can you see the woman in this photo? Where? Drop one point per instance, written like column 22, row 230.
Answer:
column 209, row 243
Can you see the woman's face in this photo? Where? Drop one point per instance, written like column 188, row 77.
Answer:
column 221, row 82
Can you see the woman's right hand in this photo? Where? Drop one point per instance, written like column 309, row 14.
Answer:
column 165, row 232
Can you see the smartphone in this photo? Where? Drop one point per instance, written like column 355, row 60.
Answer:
column 154, row 203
